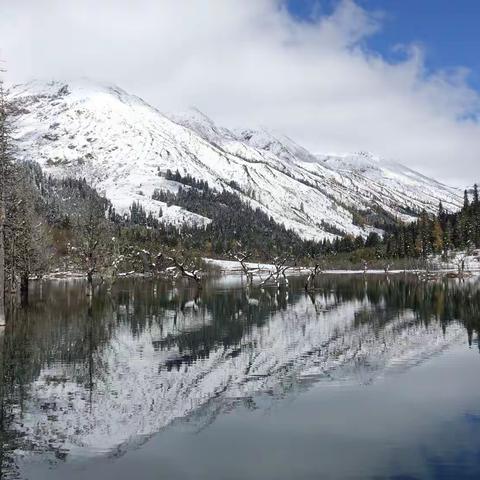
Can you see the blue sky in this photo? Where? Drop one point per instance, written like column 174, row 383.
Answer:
column 448, row 30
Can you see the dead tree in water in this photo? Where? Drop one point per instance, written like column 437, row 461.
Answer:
column 279, row 270
column 310, row 282
column 461, row 261
column 92, row 242
column 184, row 267
column 27, row 243
column 365, row 267
column 242, row 257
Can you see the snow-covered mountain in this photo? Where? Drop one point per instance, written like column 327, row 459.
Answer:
column 123, row 147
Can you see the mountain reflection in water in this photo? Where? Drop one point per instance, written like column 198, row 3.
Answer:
column 81, row 380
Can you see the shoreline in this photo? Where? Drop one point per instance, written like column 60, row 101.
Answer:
column 231, row 267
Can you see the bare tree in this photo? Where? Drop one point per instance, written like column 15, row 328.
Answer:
column 23, row 242
column 5, row 178
column 314, row 271
column 242, row 256
column 365, row 267
column 461, row 260
column 26, row 245
column 92, row 244
column 3, row 171
column 182, row 265
column 279, row 270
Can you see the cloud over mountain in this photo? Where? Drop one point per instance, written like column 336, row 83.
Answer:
column 251, row 63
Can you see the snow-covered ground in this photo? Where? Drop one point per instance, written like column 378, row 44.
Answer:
column 468, row 261
column 120, row 145
column 471, row 264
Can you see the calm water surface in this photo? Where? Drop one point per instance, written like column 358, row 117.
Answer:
column 365, row 378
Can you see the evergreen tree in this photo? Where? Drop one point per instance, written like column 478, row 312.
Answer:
column 441, row 212
column 437, row 237
column 447, row 238
column 475, row 201
column 466, row 201
column 476, row 217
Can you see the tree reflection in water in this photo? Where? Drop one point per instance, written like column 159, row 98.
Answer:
column 98, row 375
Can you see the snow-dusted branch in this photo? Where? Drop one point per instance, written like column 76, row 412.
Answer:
column 279, row 270
column 242, row 257
column 183, row 267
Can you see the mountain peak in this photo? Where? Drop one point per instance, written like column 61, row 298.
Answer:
column 194, row 119
column 77, row 90
column 359, row 161
column 276, row 143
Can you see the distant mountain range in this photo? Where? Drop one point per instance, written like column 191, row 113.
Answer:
column 123, row 147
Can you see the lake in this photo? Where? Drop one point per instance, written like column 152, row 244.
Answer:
column 367, row 377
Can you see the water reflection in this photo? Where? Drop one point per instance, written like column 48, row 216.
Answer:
column 82, row 378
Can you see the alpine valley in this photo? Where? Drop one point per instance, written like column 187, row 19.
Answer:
column 124, row 148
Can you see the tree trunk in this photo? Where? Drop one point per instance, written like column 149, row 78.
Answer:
column 90, row 283
column 3, row 177
column 24, row 288
column 2, row 261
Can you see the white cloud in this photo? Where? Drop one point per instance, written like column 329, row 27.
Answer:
column 249, row 63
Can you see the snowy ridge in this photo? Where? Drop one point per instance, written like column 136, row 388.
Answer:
column 136, row 394
column 123, row 147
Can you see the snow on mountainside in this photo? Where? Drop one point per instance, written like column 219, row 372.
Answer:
column 123, row 147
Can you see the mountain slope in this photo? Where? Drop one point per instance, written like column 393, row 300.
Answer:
column 123, row 147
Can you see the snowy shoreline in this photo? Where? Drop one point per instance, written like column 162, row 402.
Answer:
column 472, row 266
column 232, row 267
